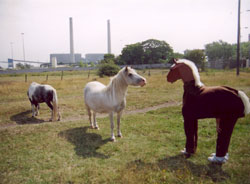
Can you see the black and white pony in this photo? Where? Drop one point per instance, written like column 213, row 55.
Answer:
column 38, row 93
column 111, row 98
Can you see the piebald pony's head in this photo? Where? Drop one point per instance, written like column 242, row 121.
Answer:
column 185, row 70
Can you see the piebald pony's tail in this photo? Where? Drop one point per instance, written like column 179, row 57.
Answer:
column 245, row 101
column 55, row 105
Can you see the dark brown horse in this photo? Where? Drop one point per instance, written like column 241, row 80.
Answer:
column 221, row 102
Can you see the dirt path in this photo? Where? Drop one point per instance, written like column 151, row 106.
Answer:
column 85, row 117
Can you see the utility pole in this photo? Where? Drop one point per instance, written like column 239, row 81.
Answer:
column 109, row 37
column 23, row 46
column 238, row 42
column 11, row 47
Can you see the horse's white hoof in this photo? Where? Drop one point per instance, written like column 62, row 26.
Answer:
column 97, row 128
column 119, row 135
column 113, row 139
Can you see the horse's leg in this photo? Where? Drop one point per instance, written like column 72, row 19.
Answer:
column 37, row 109
column 112, row 126
column 59, row 114
column 51, row 107
column 226, row 127
column 95, row 123
column 33, row 109
column 191, row 128
column 89, row 114
column 218, row 125
column 119, row 133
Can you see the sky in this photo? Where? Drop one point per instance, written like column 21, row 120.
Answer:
column 183, row 24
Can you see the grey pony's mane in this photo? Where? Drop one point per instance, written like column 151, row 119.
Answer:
column 117, row 85
column 194, row 69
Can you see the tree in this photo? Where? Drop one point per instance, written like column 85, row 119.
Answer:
column 107, row 69
column 155, row 51
column 219, row 50
column 132, row 54
column 147, row 52
column 244, row 50
column 197, row 56
column 23, row 66
column 108, row 58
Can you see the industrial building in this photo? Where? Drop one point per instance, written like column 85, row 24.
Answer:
column 66, row 58
column 95, row 57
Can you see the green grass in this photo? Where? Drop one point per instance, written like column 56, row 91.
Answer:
column 37, row 151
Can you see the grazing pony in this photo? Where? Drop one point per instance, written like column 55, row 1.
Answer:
column 221, row 102
column 111, row 98
column 38, row 93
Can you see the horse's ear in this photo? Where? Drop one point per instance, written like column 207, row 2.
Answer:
column 175, row 61
column 126, row 69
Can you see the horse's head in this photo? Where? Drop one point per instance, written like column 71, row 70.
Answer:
column 132, row 78
column 185, row 70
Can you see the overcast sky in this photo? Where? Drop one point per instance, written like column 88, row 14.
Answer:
column 184, row 24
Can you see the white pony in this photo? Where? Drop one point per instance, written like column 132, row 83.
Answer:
column 112, row 98
column 38, row 93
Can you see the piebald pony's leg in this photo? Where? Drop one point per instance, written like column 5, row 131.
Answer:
column 95, row 123
column 51, row 107
column 119, row 133
column 37, row 109
column 112, row 126
column 33, row 110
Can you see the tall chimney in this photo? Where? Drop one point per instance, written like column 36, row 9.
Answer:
column 109, row 38
column 72, row 54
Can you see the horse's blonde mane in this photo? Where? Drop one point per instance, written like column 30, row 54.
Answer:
column 194, row 71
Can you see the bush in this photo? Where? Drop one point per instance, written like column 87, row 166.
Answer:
column 108, row 69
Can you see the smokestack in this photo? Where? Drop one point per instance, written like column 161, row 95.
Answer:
column 109, row 38
column 72, row 54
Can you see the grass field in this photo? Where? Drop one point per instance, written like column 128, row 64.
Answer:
column 33, row 150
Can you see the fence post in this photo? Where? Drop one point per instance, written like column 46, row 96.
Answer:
column 25, row 77
column 47, row 77
column 88, row 74
column 62, row 76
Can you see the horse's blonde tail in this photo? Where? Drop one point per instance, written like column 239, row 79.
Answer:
column 55, row 105
column 245, row 101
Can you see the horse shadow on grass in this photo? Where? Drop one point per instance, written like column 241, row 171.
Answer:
column 86, row 144
column 25, row 118
column 181, row 166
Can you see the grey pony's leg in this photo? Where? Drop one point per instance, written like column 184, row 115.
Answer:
column 95, row 123
column 89, row 114
column 119, row 133
column 112, row 126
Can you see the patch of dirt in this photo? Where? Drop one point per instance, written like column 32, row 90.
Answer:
column 85, row 117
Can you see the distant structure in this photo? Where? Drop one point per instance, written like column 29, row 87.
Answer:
column 54, row 62
column 12, row 62
column 66, row 58
column 109, row 37
column 72, row 55
column 94, row 57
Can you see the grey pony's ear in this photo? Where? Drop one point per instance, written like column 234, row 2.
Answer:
column 126, row 69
